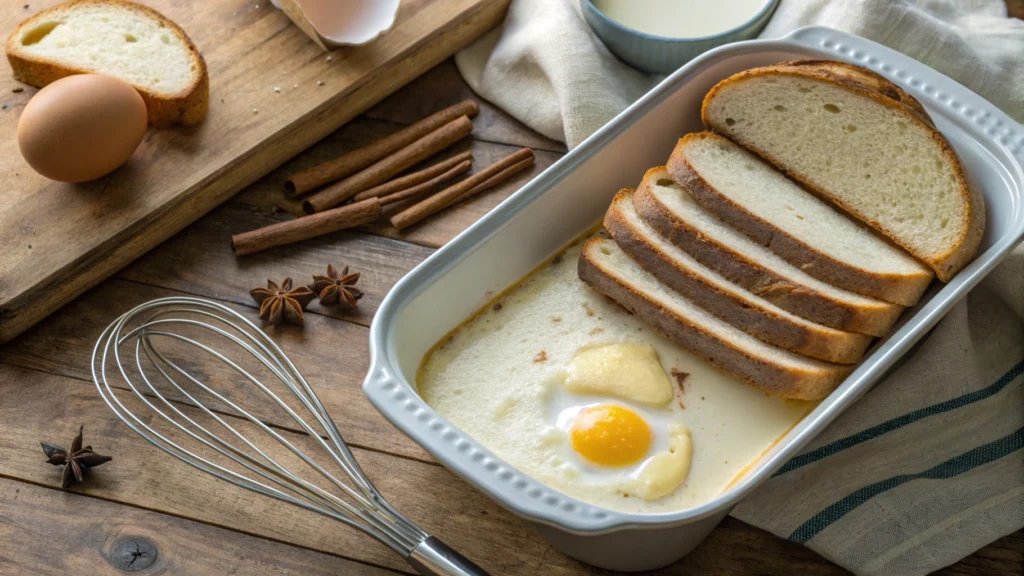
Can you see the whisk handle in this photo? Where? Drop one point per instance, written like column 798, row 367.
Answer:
column 434, row 558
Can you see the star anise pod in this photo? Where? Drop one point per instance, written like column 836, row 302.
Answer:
column 337, row 287
column 282, row 304
column 74, row 462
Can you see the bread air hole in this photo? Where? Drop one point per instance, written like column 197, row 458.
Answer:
column 780, row 108
column 606, row 251
column 130, row 38
column 832, row 108
column 664, row 182
column 729, row 121
column 850, row 128
column 35, row 35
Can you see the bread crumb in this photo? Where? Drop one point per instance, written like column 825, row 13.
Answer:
column 277, row 89
column 541, row 356
column 319, row 82
column 596, row 331
column 497, row 307
column 255, row 111
column 295, row 86
column 329, row 58
column 556, row 319
column 17, row 90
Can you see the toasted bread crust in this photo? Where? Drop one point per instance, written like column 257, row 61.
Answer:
column 802, row 300
column 186, row 107
column 876, row 87
column 902, row 289
column 761, row 373
column 764, row 323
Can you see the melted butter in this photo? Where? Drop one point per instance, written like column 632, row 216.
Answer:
column 628, row 371
column 666, row 472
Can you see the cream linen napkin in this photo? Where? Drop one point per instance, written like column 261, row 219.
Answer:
column 928, row 466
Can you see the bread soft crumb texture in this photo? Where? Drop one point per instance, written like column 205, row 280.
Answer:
column 779, row 372
column 663, row 204
column 861, row 142
column 120, row 39
column 737, row 306
column 760, row 201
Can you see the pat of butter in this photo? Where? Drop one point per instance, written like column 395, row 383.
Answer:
column 666, row 472
column 627, row 371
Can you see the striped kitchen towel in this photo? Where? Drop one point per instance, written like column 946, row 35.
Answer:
column 928, row 466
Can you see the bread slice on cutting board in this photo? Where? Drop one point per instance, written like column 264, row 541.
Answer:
column 758, row 200
column 607, row 268
column 670, row 210
column 860, row 141
column 118, row 38
column 745, row 310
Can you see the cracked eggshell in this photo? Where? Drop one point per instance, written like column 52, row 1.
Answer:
column 342, row 22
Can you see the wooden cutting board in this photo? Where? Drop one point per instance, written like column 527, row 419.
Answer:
column 57, row 240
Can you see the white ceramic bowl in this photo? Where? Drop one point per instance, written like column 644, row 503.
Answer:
column 662, row 54
column 573, row 194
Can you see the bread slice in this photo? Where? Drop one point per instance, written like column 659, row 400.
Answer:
column 118, row 38
column 670, row 210
column 761, row 202
column 860, row 141
column 744, row 310
column 606, row 267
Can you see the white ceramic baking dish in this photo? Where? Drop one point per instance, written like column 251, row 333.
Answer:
column 572, row 195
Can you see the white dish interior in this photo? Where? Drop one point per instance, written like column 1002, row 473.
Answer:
column 573, row 194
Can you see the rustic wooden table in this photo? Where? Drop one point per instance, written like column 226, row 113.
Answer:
column 145, row 512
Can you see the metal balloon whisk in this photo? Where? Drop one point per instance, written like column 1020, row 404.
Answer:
column 177, row 389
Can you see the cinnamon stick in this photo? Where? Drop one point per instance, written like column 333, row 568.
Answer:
column 350, row 162
column 398, row 184
column 388, row 166
column 487, row 178
column 306, row 227
column 427, row 187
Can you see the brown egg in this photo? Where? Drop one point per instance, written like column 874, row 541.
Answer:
column 81, row 127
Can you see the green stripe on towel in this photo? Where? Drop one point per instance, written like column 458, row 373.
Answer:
column 890, row 425
column 948, row 469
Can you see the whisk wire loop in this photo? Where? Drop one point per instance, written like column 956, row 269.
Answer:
column 358, row 505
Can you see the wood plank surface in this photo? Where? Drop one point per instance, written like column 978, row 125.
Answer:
column 60, row 239
column 49, row 532
column 332, row 355
column 199, row 526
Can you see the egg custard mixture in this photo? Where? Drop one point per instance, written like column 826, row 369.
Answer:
column 575, row 391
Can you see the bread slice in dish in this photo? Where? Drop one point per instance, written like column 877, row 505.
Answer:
column 860, row 141
column 606, row 267
column 761, row 202
column 670, row 210
column 118, row 38
column 743, row 309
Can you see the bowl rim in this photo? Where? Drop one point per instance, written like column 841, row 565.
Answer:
column 397, row 400
column 769, row 6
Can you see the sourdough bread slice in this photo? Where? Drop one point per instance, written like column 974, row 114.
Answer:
column 606, row 267
column 744, row 310
column 860, row 141
column 118, row 38
column 670, row 210
column 761, row 202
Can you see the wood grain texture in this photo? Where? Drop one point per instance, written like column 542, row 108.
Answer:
column 60, row 239
column 48, row 532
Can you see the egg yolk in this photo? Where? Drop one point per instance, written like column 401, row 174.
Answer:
column 610, row 435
